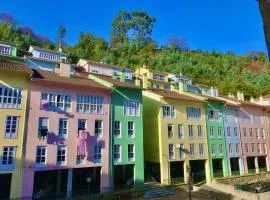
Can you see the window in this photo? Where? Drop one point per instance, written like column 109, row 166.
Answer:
column 61, row 155
column 199, row 131
column 257, row 133
column 246, row 147
column 168, row 111
column 41, row 155
column 167, row 87
column 213, row 115
column 219, row 132
column 245, row 132
column 82, row 124
column 89, row 104
column 250, row 132
column 56, row 102
column 213, row 149
column 8, row 157
column 11, row 128
column 220, row 149
column 252, row 147
column 228, row 131
column 180, row 131
column 193, row 113
column 131, row 129
column 170, row 131
column 117, row 128
column 262, row 133
column 181, row 151
column 192, row 150
column 230, row 148
column 6, row 50
column 259, row 148
column 237, row 147
column 63, row 127
column 201, row 152
column 211, row 131
column 98, row 153
column 117, row 153
column 43, row 127
column 235, row 130
column 131, row 108
column 156, row 86
column 10, row 97
column 171, row 151
column 131, row 152
column 158, row 77
column 98, row 128
column 264, row 148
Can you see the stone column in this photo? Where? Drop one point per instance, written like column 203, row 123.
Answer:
column 256, row 165
column 186, row 171
column 267, row 163
column 69, row 183
column 207, row 171
column 245, row 165
column 241, row 166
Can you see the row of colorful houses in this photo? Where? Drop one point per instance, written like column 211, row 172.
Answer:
column 98, row 128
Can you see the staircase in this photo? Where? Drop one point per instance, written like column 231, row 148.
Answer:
column 153, row 190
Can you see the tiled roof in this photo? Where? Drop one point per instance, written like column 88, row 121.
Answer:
column 175, row 95
column 14, row 66
column 243, row 102
column 91, row 62
column 48, row 50
column 42, row 75
column 109, row 79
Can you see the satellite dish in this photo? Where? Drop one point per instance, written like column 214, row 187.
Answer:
column 177, row 146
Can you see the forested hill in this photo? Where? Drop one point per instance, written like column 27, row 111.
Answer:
column 132, row 45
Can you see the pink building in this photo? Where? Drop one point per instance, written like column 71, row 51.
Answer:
column 255, row 147
column 67, row 148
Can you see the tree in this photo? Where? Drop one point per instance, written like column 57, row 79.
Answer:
column 120, row 27
column 264, row 6
column 61, row 34
column 178, row 43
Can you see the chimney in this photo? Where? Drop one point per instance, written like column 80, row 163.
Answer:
column 240, row 96
column 64, row 70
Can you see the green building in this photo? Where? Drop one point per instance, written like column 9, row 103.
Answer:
column 216, row 137
column 127, row 161
column 8, row 49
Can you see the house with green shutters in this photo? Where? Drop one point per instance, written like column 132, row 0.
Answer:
column 216, row 137
column 127, row 160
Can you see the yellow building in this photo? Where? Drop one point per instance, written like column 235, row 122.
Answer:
column 14, row 86
column 175, row 137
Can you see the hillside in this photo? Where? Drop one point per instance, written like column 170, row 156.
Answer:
column 229, row 72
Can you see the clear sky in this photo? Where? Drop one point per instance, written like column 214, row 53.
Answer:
column 223, row 25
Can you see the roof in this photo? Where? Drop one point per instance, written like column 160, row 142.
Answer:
column 41, row 59
column 48, row 50
column 212, row 98
column 106, row 65
column 42, row 75
column 247, row 103
column 14, row 66
column 175, row 95
column 7, row 43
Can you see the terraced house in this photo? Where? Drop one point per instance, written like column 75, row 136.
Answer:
column 67, row 148
column 175, row 138
column 14, row 89
column 127, row 160
column 254, row 139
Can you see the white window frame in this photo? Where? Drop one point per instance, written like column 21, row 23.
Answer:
column 98, row 153
column 229, row 134
column 237, row 148
column 192, row 150
column 99, row 129
column 90, row 104
column 213, row 149
column 10, row 156
column 131, row 107
column 246, row 147
column 263, row 133
column 10, row 131
column 190, row 131
column 131, row 129
column 200, row 134
column 40, row 124
column 170, row 133
column 230, row 148
column 131, row 155
column 220, row 146
column 252, row 147
column 235, row 131
column 201, row 149
column 61, row 148
column 42, row 155
column 63, row 127
column 118, row 129
column 117, row 154
column 80, row 122
column 211, row 131
column 57, row 101
column 219, row 132
column 10, row 97
column 193, row 113
column 171, row 152
column 213, row 115
column 168, row 112
column 181, row 131
column 5, row 50
column 182, row 154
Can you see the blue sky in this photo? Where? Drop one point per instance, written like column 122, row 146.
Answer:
column 228, row 25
